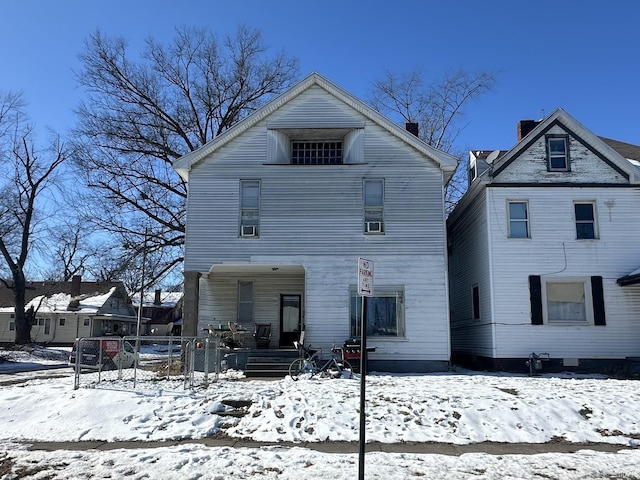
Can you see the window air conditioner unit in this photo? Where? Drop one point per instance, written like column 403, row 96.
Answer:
column 248, row 231
column 373, row 227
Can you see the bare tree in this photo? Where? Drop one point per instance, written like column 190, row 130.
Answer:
column 437, row 108
column 26, row 173
column 70, row 249
column 140, row 116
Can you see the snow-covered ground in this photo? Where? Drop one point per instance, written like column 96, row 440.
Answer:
column 455, row 408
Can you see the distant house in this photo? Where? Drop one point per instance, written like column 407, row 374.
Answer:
column 543, row 252
column 162, row 310
column 281, row 206
column 67, row 310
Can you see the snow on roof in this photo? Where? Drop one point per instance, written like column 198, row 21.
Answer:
column 59, row 302
column 167, row 299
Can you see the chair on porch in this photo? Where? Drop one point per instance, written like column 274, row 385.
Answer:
column 262, row 334
column 238, row 334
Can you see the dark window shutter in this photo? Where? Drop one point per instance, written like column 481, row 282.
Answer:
column 535, row 290
column 597, row 293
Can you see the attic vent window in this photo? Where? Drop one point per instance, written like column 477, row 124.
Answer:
column 316, row 153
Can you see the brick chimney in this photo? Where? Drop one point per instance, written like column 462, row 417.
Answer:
column 76, row 283
column 412, row 127
column 525, row 126
column 157, row 300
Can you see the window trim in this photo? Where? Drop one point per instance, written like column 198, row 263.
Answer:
column 588, row 300
column 373, row 214
column 244, row 229
column 567, row 159
column 250, row 303
column 380, row 291
column 594, row 221
column 526, row 221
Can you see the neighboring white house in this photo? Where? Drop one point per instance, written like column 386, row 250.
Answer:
column 64, row 311
column 281, row 206
column 540, row 247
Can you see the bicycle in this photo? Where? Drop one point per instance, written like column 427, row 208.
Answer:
column 312, row 364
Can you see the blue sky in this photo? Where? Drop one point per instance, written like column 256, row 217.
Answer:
column 583, row 56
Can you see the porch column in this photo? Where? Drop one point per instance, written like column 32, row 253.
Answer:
column 191, row 304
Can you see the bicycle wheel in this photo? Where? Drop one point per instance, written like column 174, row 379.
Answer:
column 347, row 369
column 296, row 368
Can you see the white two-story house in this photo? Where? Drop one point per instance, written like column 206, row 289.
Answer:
column 540, row 251
column 281, row 206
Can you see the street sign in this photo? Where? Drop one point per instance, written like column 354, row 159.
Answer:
column 365, row 277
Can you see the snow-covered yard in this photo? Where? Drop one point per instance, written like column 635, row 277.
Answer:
column 455, row 408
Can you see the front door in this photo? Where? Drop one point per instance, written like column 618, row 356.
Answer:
column 290, row 320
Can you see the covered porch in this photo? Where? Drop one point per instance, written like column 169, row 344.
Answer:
column 258, row 305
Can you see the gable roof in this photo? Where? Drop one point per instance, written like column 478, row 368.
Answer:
column 444, row 160
column 597, row 144
column 627, row 150
column 623, row 157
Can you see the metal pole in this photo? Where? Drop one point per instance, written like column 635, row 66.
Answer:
column 363, row 371
column 144, row 261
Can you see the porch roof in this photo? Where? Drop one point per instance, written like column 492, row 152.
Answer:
column 632, row 278
column 255, row 268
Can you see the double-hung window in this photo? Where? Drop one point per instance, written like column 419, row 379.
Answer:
column 558, row 153
column 249, row 208
column 383, row 313
column 518, row 219
column 585, row 220
column 245, row 302
column 373, row 192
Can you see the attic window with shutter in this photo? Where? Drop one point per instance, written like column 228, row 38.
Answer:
column 558, row 153
column 315, row 146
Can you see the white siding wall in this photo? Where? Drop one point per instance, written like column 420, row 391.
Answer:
column 554, row 251
column 468, row 266
column 313, row 216
column 64, row 334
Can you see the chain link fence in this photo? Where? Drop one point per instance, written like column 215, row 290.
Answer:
column 149, row 361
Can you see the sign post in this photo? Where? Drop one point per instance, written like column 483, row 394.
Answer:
column 365, row 289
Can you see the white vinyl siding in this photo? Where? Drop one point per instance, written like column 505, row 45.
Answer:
column 554, row 248
column 311, row 217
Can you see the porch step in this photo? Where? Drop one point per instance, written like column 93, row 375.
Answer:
column 270, row 363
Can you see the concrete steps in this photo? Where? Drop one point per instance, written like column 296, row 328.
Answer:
column 269, row 363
